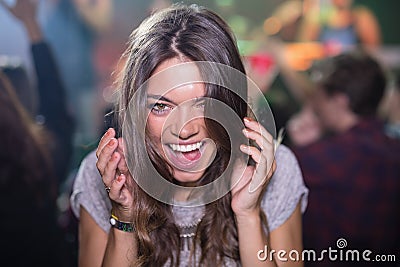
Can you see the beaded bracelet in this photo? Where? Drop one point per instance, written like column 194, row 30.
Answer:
column 123, row 226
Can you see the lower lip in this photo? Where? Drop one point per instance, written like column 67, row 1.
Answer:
column 185, row 161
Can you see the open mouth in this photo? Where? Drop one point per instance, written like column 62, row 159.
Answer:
column 185, row 157
column 188, row 151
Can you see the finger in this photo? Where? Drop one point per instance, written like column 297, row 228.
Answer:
column 116, row 189
column 243, row 179
column 121, row 145
column 257, row 127
column 262, row 175
column 251, row 151
column 238, row 171
column 122, row 165
column 262, row 142
column 105, row 155
column 111, row 169
column 110, row 133
column 264, row 162
column 119, row 193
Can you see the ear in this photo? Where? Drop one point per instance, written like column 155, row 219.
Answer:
column 342, row 101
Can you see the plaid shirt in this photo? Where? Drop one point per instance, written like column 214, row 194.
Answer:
column 354, row 182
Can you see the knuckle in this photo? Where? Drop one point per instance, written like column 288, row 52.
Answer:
column 99, row 166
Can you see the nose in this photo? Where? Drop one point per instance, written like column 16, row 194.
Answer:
column 183, row 123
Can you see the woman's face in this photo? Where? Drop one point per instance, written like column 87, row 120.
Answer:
column 176, row 124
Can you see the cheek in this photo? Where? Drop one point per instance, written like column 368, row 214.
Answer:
column 155, row 127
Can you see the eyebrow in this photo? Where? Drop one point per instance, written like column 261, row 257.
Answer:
column 163, row 98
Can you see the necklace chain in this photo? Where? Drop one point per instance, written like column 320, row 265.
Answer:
column 190, row 225
column 187, row 232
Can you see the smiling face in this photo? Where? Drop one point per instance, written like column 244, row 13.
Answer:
column 176, row 124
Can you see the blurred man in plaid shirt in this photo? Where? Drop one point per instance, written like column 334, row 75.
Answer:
column 353, row 172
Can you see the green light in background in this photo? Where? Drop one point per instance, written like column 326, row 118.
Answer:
column 239, row 25
column 224, row 2
column 246, row 47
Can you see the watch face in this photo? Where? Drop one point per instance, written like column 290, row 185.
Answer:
column 113, row 221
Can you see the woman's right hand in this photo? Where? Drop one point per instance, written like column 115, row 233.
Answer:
column 115, row 174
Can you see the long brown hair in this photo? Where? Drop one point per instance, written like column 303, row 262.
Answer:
column 197, row 34
column 24, row 158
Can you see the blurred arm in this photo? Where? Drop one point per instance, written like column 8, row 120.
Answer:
column 92, row 241
column 25, row 12
column 288, row 237
column 310, row 27
column 97, row 13
column 367, row 27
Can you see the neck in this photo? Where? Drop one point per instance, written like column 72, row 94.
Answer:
column 346, row 121
column 182, row 195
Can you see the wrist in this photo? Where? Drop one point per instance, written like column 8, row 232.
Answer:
column 123, row 214
column 124, row 226
column 248, row 218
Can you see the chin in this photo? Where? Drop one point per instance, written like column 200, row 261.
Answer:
column 185, row 178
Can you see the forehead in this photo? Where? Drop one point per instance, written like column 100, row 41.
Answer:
column 176, row 80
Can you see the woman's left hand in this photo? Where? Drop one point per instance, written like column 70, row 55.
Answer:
column 248, row 182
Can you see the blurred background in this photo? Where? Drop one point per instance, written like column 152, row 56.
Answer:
column 87, row 38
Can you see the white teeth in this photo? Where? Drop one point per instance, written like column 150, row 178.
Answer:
column 185, row 148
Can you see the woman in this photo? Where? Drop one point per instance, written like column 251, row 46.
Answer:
column 342, row 27
column 188, row 149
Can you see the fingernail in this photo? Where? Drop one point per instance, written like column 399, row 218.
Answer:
column 112, row 142
column 246, row 119
column 244, row 148
column 119, row 178
column 246, row 132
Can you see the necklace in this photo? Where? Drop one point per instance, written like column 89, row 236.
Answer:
column 187, row 232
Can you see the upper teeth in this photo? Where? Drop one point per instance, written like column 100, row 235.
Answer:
column 185, row 148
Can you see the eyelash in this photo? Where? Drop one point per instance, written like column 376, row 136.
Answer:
column 159, row 108
column 201, row 105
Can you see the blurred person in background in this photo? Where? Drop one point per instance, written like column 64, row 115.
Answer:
column 30, row 235
column 72, row 28
column 50, row 113
column 17, row 73
column 52, row 109
column 349, row 164
column 341, row 26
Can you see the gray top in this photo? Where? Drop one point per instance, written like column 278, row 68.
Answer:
column 285, row 189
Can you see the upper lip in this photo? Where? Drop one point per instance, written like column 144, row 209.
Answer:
column 183, row 143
